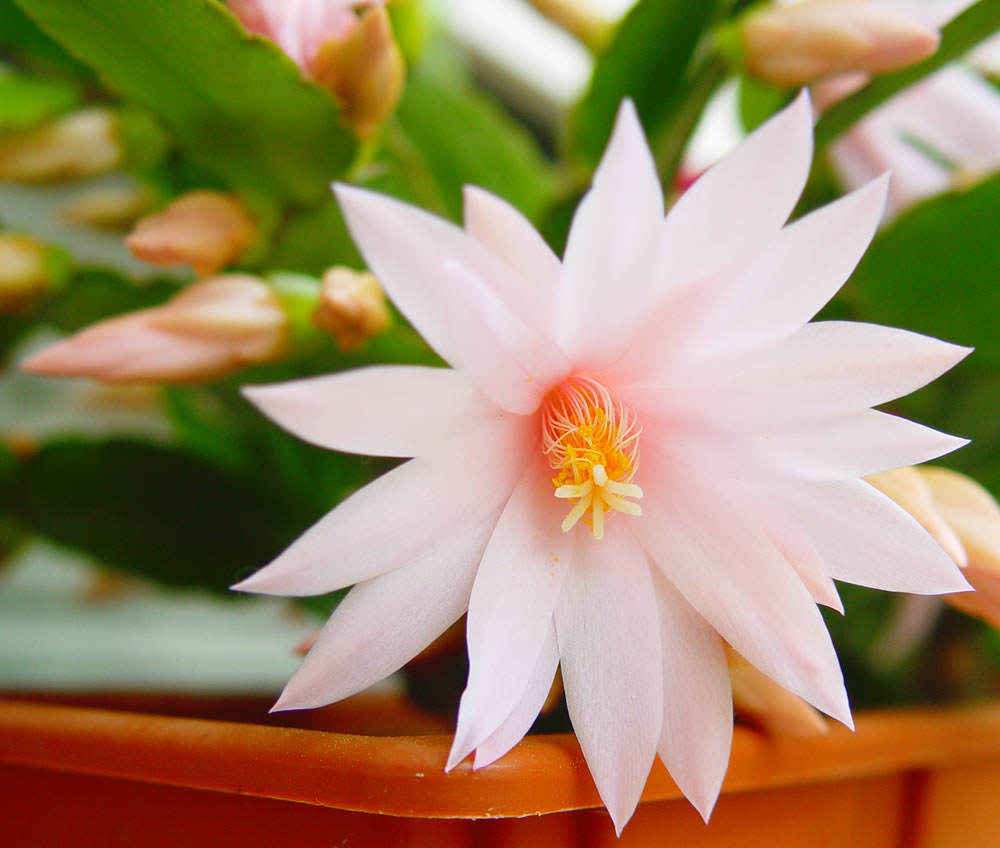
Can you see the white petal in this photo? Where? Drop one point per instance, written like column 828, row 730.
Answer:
column 855, row 445
column 794, row 544
column 868, row 539
column 826, row 368
column 384, row 622
column 734, row 577
column 611, row 247
column 800, row 270
column 697, row 700
column 734, row 209
column 390, row 410
column 609, row 643
column 394, row 519
column 513, row 364
column 519, row 722
column 510, row 613
column 493, row 222
column 407, row 248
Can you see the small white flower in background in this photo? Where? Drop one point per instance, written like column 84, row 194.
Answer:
column 640, row 454
column 940, row 134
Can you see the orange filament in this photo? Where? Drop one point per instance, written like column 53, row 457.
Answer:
column 592, row 442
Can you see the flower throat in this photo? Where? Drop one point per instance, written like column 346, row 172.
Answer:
column 592, row 443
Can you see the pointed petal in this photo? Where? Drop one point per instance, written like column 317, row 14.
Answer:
column 697, row 700
column 385, row 622
column 867, row 539
column 796, row 547
column 498, row 226
column 611, row 246
column 826, row 368
column 407, row 248
column 735, row 208
column 908, row 487
column 519, row 722
column 394, row 519
column 510, row 613
column 800, row 270
column 391, row 410
column 855, row 445
column 511, row 363
column 609, row 643
column 735, row 578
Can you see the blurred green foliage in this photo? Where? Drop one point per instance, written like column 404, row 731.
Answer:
column 191, row 64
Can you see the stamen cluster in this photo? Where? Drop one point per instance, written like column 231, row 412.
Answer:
column 592, row 443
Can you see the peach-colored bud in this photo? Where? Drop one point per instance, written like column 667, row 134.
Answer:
column 351, row 307
column 797, row 43
column 974, row 515
column 24, row 271
column 78, row 145
column 766, row 704
column 208, row 330
column 207, row 230
column 107, row 207
column 364, row 70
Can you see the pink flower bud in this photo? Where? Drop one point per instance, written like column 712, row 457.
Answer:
column 794, row 44
column 78, row 145
column 364, row 70
column 355, row 58
column 210, row 329
column 351, row 307
column 207, row 230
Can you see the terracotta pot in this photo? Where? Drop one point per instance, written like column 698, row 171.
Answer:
column 72, row 774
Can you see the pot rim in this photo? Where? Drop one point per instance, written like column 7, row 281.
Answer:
column 404, row 775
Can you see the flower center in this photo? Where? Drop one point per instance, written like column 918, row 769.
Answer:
column 592, row 442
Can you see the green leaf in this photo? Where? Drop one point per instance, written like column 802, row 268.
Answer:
column 465, row 137
column 20, row 36
column 153, row 511
column 648, row 60
column 313, row 240
column 27, row 101
column 758, row 101
column 235, row 102
column 960, row 35
column 936, row 270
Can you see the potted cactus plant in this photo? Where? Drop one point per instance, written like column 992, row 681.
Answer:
column 629, row 419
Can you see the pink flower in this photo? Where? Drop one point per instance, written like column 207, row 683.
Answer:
column 641, row 453
column 299, row 27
